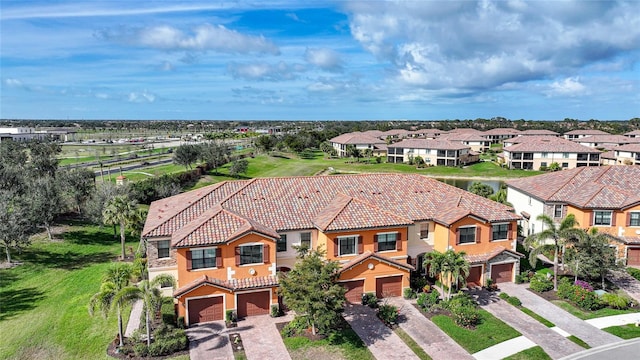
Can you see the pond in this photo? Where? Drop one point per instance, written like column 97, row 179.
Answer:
column 465, row 183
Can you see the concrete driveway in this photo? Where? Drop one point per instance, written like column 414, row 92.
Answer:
column 209, row 342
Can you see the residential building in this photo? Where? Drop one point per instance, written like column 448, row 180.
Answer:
column 395, row 134
column 606, row 141
column 226, row 243
column 426, row 133
column 433, row 152
column 606, row 198
column 360, row 141
column 633, row 134
column 475, row 141
column 626, row 154
column 497, row 135
column 544, row 151
column 580, row 133
column 538, row 132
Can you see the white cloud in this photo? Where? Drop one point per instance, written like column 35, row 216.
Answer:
column 325, row 59
column 141, row 97
column 11, row 82
column 265, row 71
column 205, row 37
column 568, row 86
column 293, row 17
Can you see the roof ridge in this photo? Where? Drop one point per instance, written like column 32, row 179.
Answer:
column 342, row 208
column 580, row 170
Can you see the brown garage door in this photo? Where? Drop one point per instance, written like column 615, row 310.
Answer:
column 502, row 273
column 256, row 303
column 633, row 257
column 389, row 286
column 204, row 310
column 475, row 274
column 354, row 291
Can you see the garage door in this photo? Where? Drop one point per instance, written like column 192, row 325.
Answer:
column 251, row 304
column 475, row 274
column 204, row 310
column 354, row 291
column 389, row 286
column 633, row 257
column 502, row 273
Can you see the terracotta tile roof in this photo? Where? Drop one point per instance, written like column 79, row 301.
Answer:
column 634, row 132
column 369, row 255
column 627, row 240
column 483, row 258
column 602, row 187
column 628, row 147
column 608, row 138
column 531, row 138
column 464, row 130
column 611, row 155
column 374, row 133
column 232, row 285
column 586, row 132
column 550, row 144
column 394, row 132
column 464, row 137
column 538, row 132
column 436, row 144
column 356, row 138
column 502, row 131
column 293, row 203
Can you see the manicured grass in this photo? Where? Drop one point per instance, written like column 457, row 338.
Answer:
column 412, row 344
column 534, row 353
column 579, row 341
column 345, row 342
column 488, row 332
column 542, row 320
column 585, row 315
column 629, row 331
column 44, row 300
column 136, row 175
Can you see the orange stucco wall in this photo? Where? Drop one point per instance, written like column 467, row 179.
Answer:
column 583, row 216
column 228, row 260
column 445, row 237
column 380, row 269
column 368, row 236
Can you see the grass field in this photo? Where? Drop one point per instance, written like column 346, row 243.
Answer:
column 343, row 345
column 44, row 301
column 629, row 331
column 586, row 315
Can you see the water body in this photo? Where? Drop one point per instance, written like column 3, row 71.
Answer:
column 465, row 183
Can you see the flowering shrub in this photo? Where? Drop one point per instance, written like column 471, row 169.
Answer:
column 465, row 315
column 388, row 314
column 583, row 284
column 564, row 288
column 540, row 283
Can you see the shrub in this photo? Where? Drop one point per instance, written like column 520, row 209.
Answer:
column 634, row 272
column 587, row 300
column 418, row 283
column 465, row 315
column 585, row 285
column 504, row 296
column 181, row 323
column 167, row 340
column 564, row 288
column 230, row 316
column 141, row 349
column 426, row 301
column 168, row 311
column 540, row 283
column 461, row 299
column 522, row 278
column 409, row 293
column 297, row 326
column 514, row 301
column 616, row 301
column 370, row 300
column 276, row 311
column 388, row 313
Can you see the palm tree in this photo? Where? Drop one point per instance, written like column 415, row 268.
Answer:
column 122, row 211
column 557, row 234
column 116, row 278
column 449, row 266
column 149, row 293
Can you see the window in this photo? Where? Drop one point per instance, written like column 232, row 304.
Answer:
column 544, row 163
column 387, row 241
column 203, row 258
column 529, row 200
column 594, row 157
column 602, row 218
column 424, row 230
column 544, row 155
column 250, row 254
column 634, row 219
column 467, row 235
column 347, row 245
column 565, row 165
column 517, row 156
column 305, row 239
column 557, row 211
column 500, row 232
column 565, row 155
column 281, row 243
column 163, row 249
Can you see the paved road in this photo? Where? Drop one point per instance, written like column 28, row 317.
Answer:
column 567, row 322
column 554, row 344
column 624, row 350
column 209, row 342
column 381, row 341
column 428, row 335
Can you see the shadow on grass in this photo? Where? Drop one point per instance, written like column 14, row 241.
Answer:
column 83, row 237
column 68, row 260
column 16, row 301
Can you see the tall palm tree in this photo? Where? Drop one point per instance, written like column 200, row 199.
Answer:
column 122, row 211
column 116, row 278
column 450, row 266
column 553, row 238
column 149, row 293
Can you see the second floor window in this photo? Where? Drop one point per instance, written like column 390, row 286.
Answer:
column 163, row 249
column 424, row 230
column 602, row 218
column 251, row 254
column 281, row 244
column 467, row 235
column 557, row 211
column 305, row 239
column 347, row 245
column 634, row 219
column 203, row 258
column 387, row 241
column 500, row 232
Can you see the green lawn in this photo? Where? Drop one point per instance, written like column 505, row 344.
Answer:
column 489, row 332
column 345, row 344
column 628, row 331
column 534, row 353
column 585, row 315
column 542, row 320
column 420, row 353
column 579, row 341
column 44, row 301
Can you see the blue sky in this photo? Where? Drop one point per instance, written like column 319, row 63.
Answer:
column 319, row 60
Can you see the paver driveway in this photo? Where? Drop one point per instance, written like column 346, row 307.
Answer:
column 627, row 283
column 209, row 342
column 261, row 339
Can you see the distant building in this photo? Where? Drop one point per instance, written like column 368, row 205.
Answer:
column 433, row 152
column 361, row 142
column 633, row 134
column 20, row 134
column 540, row 132
column 498, row 135
column 606, row 141
column 544, row 151
column 577, row 134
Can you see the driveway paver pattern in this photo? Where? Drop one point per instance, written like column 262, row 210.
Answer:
column 209, row 341
column 626, row 282
column 567, row 322
column 261, row 339
column 435, row 342
column 381, row 341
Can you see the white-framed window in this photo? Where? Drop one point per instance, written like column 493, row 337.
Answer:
column 544, row 155
column 251, row 254
column 305, row 239
column 602, row 218
column 347, row 245
column 424, row 230
column 557, row 211
column 565, row 155
column 499, row 231
column 203, row 258
column 164, row 249
column 387, row 241
column 634, row 219
column 281, row 243
column 467, row 235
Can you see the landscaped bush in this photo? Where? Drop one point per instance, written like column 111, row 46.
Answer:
column 465, row 315
column 565, row 287
column 370, row 300
column 418, row 283
column 388, row 314
column 409, row 293
column 427, row 300
column 587, row 300
column 504, row 296
column 583, row 284
column 168, row 340
column 460, row 299
column 276, row 311
column 295, row 327
column 540, row 283
column 230, row 316
column 168, row 311
column 634, row 272
column 522, row 278
column 514, row 301
column 615, row 301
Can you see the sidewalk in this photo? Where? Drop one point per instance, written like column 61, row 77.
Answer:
column 381, row 341
column 134, row 318
column 505, row 349
column 615, row 320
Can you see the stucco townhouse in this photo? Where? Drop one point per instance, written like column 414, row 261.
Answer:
column 360, row 141
column 433, row 151
column 532, row 153
column 606, row 198
column 227, row 243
